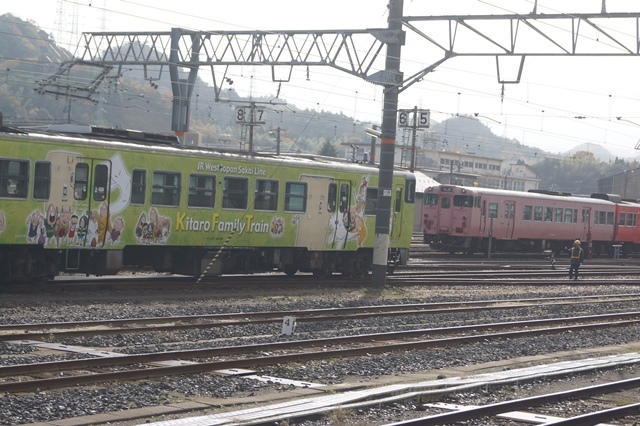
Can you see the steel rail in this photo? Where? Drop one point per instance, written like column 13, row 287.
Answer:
column 527, row 403
column 59, row 382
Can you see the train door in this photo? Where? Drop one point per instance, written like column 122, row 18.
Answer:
column 396, row 214
column 314, row 220
column 91, row 192
column 345, row 220
column 445, row 217
column 509, row 219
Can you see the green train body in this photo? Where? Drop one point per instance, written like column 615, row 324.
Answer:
column 95, row 203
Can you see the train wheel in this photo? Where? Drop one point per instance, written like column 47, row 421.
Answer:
column 290, row 270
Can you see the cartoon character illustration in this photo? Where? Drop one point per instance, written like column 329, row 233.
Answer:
column 103, row 222
column 155, row 231
column 92, row 229
column 351, row 226
column 277, row 227
column 83, row 224
column 50, row 223
column 62, row 227
column 120, row 180
column 73, row 225
column 162, row 230
column 116, row 230
column 35, row 223
column 142, row 222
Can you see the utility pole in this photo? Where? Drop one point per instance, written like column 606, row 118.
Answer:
column 387, row 149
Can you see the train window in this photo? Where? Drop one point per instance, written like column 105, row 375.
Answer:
column 100, row 182
column 371, row 203
column 558, row 214
column 585, row 215
column 331, row 197
column 266, row 195
column 42, row 180
column 493, row 210
column 410, row 193
column 14, row 178
column 445, row 203
column 430, row 199
column 295, row 198
column 548, row 214
column 81, row 181
column 631, row 219
column 398, row 205
column 622, row 219
column 537, row 213
column 600, row 218
column 610, row 218
column 463, row 200
column 235, row 192
column 344, row 198
column 568, row 215
column 527, row 212
column 202, row 191
column 165, row 188
column 509, row 210
column 138, row 186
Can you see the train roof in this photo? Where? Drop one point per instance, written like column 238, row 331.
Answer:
column 127, row 139
column 546, row 195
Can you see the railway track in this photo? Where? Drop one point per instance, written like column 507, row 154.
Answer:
column 357, row 335
column 62, row 330
column 302, row 351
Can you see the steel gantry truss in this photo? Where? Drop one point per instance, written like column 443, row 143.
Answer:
column 356, row 52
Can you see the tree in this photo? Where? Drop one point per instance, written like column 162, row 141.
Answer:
column 328, row 149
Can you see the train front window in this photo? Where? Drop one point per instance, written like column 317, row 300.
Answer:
column 430, row 199
column 42, row 180
column 14, row 178
column 463, row 201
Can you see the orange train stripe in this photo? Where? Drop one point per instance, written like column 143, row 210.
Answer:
column 388, row 141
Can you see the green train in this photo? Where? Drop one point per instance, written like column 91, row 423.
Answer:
column 90, row 200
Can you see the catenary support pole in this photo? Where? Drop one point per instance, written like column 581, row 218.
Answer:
column 387, row 152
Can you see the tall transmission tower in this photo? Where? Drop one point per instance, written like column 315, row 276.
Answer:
column 66, row 25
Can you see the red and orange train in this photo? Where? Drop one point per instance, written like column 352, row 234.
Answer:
column 471, row 220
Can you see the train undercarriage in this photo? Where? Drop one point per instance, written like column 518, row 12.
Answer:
column 29, row 263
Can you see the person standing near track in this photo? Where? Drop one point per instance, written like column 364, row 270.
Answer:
column 576, row 255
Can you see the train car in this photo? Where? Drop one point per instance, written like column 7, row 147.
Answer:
column 627, row 226
column 467, row 219
column 93, row 200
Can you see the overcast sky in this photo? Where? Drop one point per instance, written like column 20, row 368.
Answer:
column 539, row 111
